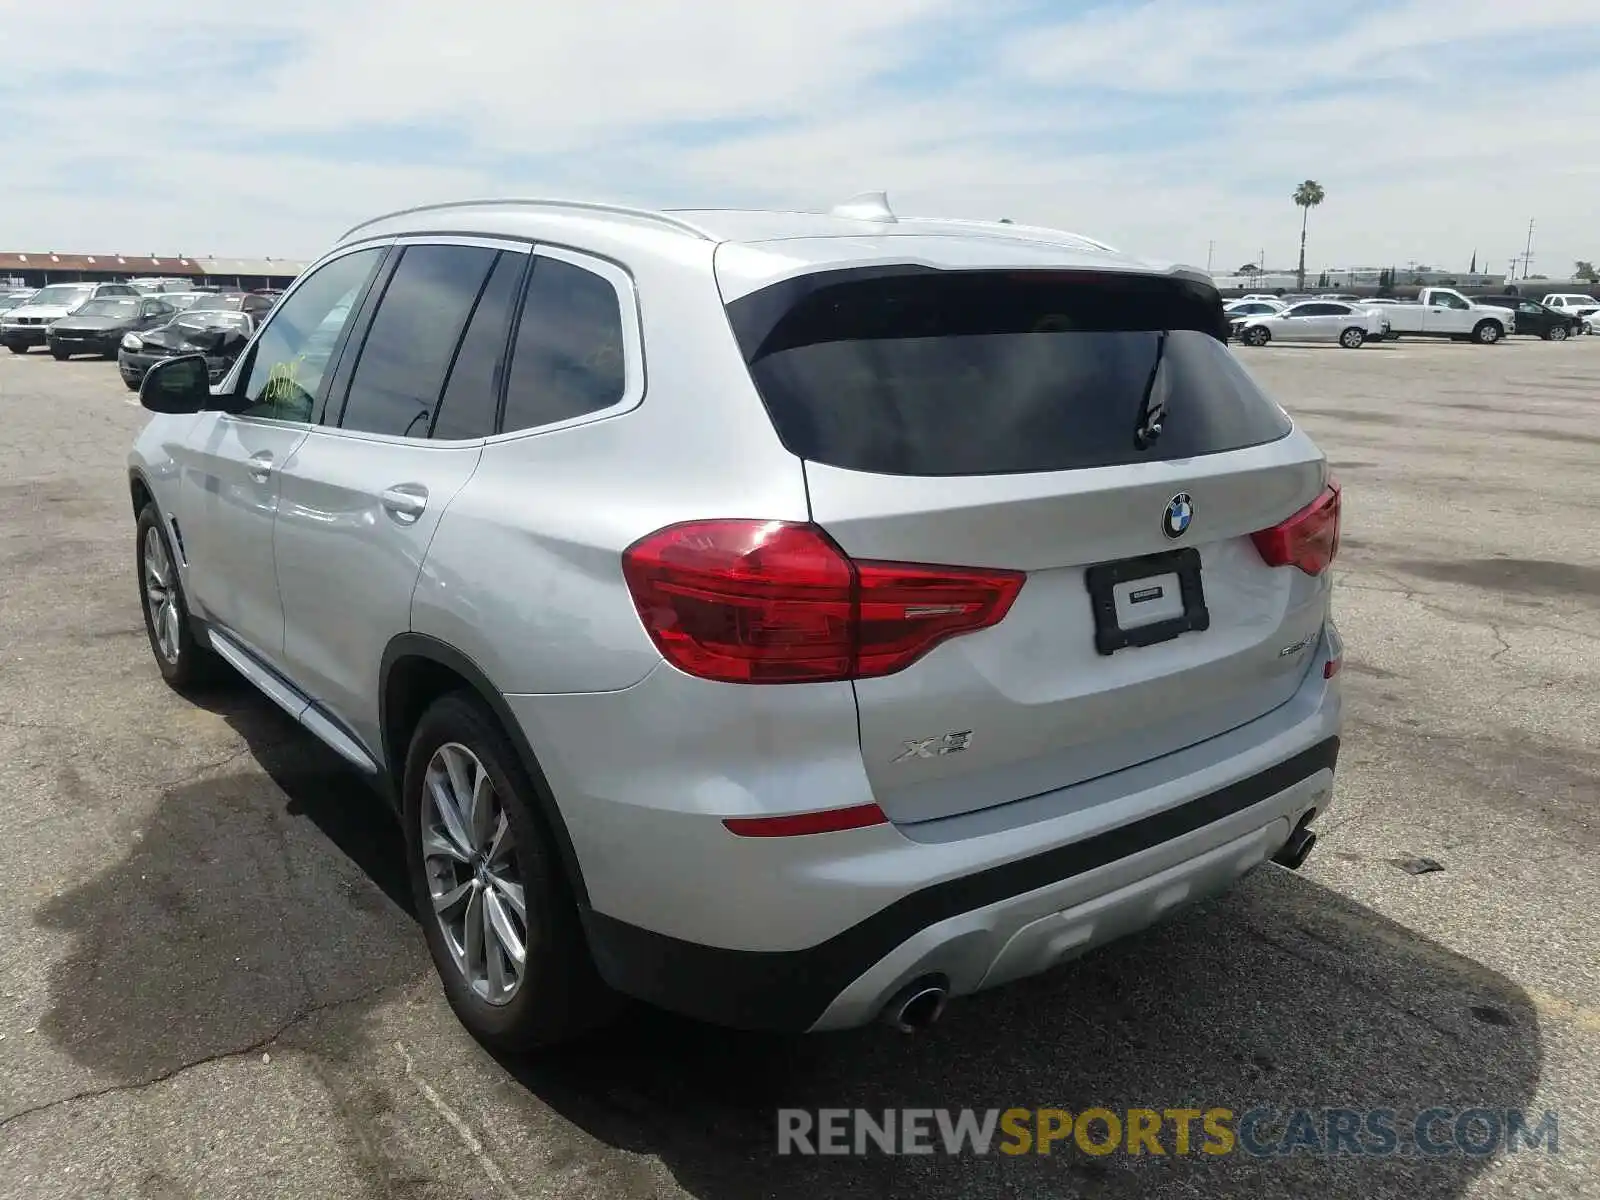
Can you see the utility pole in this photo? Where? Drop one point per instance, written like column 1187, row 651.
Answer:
column 1211, row 249
column 1527, row 252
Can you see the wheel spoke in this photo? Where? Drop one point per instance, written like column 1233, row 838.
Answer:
column 494, row 957
column 505, row 933
column 482, row 809
column 446, row 902
column 170, row 624
column 437, row 845
column 472, row 943
column 511, row 894
column 449, row 815
column 500, row 843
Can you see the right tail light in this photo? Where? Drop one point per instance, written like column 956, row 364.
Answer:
column 1308, row 540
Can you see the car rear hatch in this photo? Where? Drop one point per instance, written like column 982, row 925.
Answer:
column 1089, row 429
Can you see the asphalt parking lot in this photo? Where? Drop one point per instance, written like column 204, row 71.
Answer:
column 211, row 985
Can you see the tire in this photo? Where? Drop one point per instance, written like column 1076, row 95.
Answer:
column 1256, row 335
column 132, row 384
column 183, row 661
column 60, row 355
column 1556, row 333
column 1353, row 338
column 16, row 349
column 1487, row 333
column 559, row 995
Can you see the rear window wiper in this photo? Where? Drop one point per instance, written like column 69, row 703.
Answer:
column 1152, row 412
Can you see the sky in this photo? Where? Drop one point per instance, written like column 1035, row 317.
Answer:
column 1175, row 129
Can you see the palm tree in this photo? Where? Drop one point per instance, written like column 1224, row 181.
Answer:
column 1308, row 195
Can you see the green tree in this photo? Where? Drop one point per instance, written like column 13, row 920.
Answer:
column 1386, row 281
column 1584, row 269
column 1322, row 280
column 1249, row 269
column 1308, row 195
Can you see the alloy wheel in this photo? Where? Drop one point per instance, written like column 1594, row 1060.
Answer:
column 469, row 854
column 160, row 592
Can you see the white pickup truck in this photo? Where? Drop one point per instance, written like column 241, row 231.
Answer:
column 1441, row 312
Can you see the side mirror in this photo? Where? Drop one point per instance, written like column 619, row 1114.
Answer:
column 177, row 385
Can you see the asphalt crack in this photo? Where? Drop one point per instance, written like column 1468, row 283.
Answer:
column 255, row 1047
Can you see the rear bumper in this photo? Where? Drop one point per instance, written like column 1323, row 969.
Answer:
column 818, row 932
column 976, row 932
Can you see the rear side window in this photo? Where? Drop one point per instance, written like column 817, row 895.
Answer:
column 568, row 358
column 412, row 341
column 472, row 396
column 923, row 372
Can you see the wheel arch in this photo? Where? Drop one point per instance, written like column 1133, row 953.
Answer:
column 139, row 491
column 416, row 670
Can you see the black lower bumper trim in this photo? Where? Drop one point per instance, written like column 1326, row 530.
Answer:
column 789, row 990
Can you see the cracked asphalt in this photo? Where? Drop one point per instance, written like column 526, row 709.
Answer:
column 211, row 984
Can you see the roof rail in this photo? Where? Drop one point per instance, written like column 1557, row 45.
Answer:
column 1011, row 227
column 646, row 214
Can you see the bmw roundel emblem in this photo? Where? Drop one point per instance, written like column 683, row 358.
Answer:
column 1180, row 512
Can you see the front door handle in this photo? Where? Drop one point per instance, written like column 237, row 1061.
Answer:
column 405, row 502
column 260, row 466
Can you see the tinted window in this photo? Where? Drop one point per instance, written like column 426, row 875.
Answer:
column 292, row 353
column 412, row 340
column 473, row 393
column 918, row 372
column 568, row 358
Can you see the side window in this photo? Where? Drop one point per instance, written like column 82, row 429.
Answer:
column 472, row 394
column 1446, row 300
column 292, row 354
column 568, row 358
column 412, row 340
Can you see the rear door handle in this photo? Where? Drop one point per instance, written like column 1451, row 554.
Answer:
column 405, row 502
column 260, row 466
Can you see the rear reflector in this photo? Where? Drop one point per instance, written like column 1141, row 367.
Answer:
column 1309, row 539
column 800, row 824
column 742, row 601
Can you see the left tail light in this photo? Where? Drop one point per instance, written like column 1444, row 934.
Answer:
column 1308, row 540
column 742, row 601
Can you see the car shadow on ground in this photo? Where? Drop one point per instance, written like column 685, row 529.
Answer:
column 245, row 904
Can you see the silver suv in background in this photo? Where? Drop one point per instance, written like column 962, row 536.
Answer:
column 787, row 619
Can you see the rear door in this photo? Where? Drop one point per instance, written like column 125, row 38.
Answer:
column 403, row 432
column 994, row 419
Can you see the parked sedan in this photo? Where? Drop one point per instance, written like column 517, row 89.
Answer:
column 216, row 333
column 1540, row 320
column 1349, row 325
column 27, row 325
column 99, row 326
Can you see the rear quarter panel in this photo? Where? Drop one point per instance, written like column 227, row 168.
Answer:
column 525, row 574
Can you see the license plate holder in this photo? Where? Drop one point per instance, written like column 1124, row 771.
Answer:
column 1116, row 589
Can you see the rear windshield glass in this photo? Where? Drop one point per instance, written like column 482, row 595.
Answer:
column 914, row 371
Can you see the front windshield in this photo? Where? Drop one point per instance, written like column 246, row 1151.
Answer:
column 61, row 293
column 215, row 303
column 117, row 306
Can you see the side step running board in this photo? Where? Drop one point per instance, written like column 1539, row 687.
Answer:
column 286, row 697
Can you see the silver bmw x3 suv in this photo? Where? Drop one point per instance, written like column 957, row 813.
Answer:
column 787, row 619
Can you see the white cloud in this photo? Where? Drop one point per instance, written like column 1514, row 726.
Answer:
column 1161, row 127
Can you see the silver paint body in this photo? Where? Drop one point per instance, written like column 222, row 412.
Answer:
column 311, row 548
